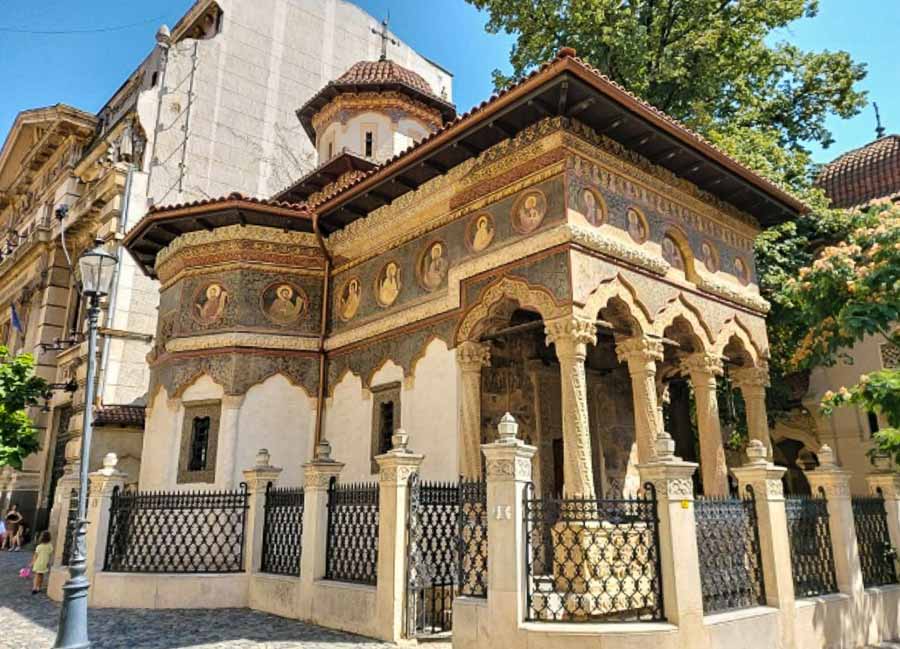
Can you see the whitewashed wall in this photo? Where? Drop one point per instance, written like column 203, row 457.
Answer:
column 429, row 407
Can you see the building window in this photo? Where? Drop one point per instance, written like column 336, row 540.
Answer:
column 385, row 418
column 873, row 422
column 369, row 144
column 330, row 150
column 199, row 442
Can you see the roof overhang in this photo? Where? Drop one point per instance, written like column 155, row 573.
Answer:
column 162, row 226
column 565, row 87
column 34, row 137
column 324, row 175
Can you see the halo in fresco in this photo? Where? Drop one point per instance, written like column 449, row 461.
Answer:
column 209, row 303
column 433, row 265
column 636, row 223
column 480, row 232
column 529, row 211
column 387, row 284
column 349, row 298
column 284, row 303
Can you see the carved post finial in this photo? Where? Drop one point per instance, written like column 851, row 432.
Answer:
column 164, row 36
column 400, row 441
column 665, row 445
column 507, row 429
column 263, row 457
column 757, row 452
column 110, row 460
column 323, row 451
column 826, row 456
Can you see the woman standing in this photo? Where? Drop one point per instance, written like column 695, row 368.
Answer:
column 13, row 520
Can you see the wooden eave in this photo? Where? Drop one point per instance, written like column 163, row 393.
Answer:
column 323, row 175
column 566, row 87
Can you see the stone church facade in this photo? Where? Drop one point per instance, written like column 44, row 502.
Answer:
column 516, row 259
column 210, row 110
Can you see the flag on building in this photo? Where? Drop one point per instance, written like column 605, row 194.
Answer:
column 14, row 319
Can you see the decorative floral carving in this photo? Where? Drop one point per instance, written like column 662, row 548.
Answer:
column 601, row 242
column 743, row 297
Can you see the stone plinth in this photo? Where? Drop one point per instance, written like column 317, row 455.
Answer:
column 258, row 478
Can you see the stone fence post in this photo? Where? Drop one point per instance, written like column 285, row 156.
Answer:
column 764, row 478
column 888, row 484
column 59, row 513
column 317, row 477
column 102, row 485
column 395, row 468
column 257, row 479
column 671, row 477
column 508, row 469
column 835, row 483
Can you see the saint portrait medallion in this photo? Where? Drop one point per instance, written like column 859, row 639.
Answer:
column 592, row 207
column 387, row 284
column 209, row 303
column 433, row 265
column 284, row 303
column 528, row 212
column 710, row 256
column 742, row 271
column 480, row 232
column 349, row 298
column 636, row 224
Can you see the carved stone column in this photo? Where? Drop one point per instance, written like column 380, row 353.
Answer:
column 470, row 358
column 571, row 336
column 703, row 370
column 641, row 354
column 752, row 382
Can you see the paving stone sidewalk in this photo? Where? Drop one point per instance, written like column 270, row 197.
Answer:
column 30, row 621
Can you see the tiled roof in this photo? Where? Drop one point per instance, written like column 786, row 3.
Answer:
column 569, row 54
column 380, row 72
column 232, row 197
column 120, row 415
column 863, row 175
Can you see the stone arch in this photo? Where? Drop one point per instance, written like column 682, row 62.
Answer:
column 683, row 247
column 681, row 307
column 511, row 288
column 193, row 379
column 735, row 329
column 617, row 288
column 293, row 381
column 339, row 378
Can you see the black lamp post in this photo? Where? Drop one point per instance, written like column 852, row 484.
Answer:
column 97, row 266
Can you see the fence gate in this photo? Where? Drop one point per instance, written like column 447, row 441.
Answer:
column 447, row 521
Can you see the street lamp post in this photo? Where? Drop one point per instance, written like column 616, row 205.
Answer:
column 96, row 267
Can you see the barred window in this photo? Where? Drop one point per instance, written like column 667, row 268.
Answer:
column 370, row 143
column 199, row 444
column 385, row 418
column 386, row 426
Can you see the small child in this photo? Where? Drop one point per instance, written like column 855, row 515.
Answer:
column 40, row 561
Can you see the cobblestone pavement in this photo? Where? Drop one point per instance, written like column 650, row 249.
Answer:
column 30, row 621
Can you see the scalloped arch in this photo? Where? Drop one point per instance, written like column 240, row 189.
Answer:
column 423, row 351
column 680, row 306
column 184, row 384
column 735, row 328
column 287, row 377
column 525, row 294
column 617, row 287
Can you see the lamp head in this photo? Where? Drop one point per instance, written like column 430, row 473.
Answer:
column 97, row 265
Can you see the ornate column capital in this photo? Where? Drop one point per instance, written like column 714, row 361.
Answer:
column 829, row 477
column 319, row 472
column 751, row 377
column 261, row 473
column 472, row 356
column 639, row 350
column 397, row 465
column 702, row 365
column 571, row 334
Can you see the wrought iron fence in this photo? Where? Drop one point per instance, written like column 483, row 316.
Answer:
column 592, row 560
column 447, row 551
column 728, row 547
column 282, row 530
column 177, row 532
column 812, row 557
column 876, row 555
column 473, row 538
column 351, row 551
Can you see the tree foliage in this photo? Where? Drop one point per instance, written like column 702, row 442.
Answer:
column 851, row 291
column 705, row 62
column 19, row 389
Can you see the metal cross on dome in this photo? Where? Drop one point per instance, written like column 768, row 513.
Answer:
column 385, row 38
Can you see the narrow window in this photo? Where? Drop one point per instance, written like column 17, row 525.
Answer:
column 370, row 143
column 154, row 79
column 873, row 422
column 330, row 150
column 199, row 444
column 386, row 426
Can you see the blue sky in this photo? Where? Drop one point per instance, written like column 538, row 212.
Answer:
column 84, row 69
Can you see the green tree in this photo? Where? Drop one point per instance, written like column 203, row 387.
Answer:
column 850, row 291
column 705, row 62
column 19, row 389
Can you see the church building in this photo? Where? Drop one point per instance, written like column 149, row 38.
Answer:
column 563, row 252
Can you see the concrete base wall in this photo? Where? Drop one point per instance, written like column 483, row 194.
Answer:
column 129, row 590
column 827, row 622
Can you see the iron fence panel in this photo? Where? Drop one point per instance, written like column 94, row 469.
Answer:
column 728, row 548
column 177, row 532
column 473, row 538
column 282, row 530
column 876, row 554
column 812, row 556
column 351, row 552
column 592, row 560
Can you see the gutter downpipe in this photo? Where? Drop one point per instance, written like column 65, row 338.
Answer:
column 323, row 361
